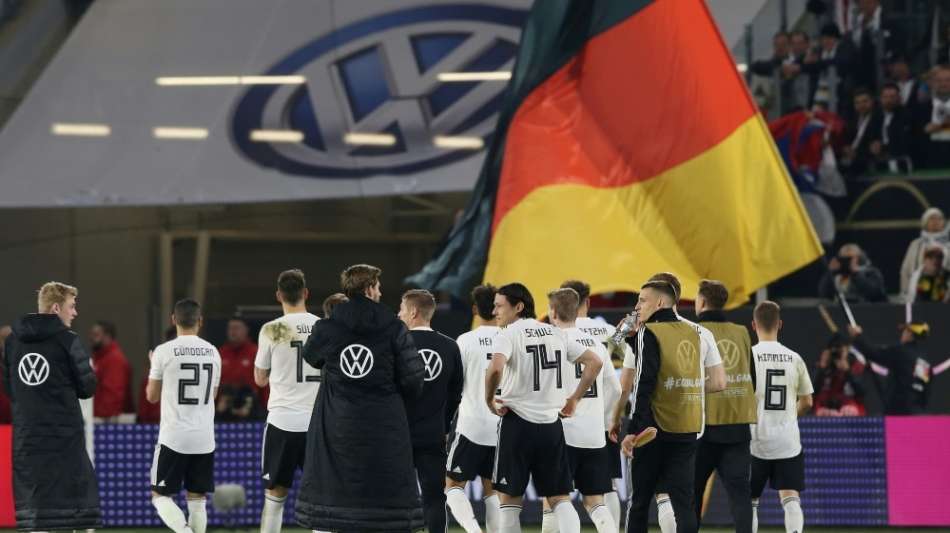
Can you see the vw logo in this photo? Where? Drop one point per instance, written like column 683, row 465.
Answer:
column 686, row 356
column 33, row 369
column 356, row 361
column 433, row 362
column 380, row 75
column 729, row 351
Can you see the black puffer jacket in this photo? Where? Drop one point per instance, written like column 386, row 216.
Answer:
column 45, row 371
column 358, row 473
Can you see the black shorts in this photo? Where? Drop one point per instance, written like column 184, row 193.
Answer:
column 781, row 474
column 283, row 454
column 531, row 451
column 468, row 460
column 170, row 469
column 614, row 464
column 589, row 468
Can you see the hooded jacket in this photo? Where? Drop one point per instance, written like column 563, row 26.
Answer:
column 358, row 471
column 914, row 257
column 46, row 371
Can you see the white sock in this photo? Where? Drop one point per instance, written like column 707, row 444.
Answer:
column 171, row 514
column 509, row 519
column 794, row 519
column 612, row 499
column 493, row 514
column 567, row 519
column 461, row 509
column 602, row 519
column 755, row 515
column 665, row 516
column 198, row 515
column 548, row 522
column 272, row 517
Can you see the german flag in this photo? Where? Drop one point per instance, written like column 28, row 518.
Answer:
column 627, row 145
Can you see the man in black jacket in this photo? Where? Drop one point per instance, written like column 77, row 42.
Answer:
column 909, row 372
column 46, row 371
column 430, row 415
column 358, row 472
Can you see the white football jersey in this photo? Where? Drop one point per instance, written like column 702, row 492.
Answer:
column 586, row 428
column 781, row 377
column 293, row 382
column 475, row 421
column 189, row 368
column 533, row 384
column 602, row 331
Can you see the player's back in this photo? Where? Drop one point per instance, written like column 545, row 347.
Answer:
column 586, row 428
column 781, row 377
column 475, row 421
column 190, row 370
column 598, row 329
column 533, row 382
column 293, row 382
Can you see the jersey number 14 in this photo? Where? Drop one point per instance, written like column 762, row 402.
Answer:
column 541, row 362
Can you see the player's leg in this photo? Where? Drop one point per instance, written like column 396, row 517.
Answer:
column 281, row 456
column 612, row 498
column 430, row 467
column 790, row 481
column 511, row 471
column 679, row 471
column 460, row 468
column 708, row 456
column 165, row 477
column 665, row 516
column 759, row 476
column 644, row 474
column 490, row 498
column 592, row 479
column 551, row 472
column 548, row 521
column 734, row 473
column 199, row 481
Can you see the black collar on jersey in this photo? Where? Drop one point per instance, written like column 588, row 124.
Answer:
column 715, row 315
column 664, row 315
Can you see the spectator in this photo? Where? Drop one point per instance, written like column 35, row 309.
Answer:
column 113, row 373
column 931, row 282
column 838, row 391
column 937, row 116
column 912, row 89
column 874, row 39
column 852, row 275
column 784, row 67
column 833, row 68
column 237, row 403
column 861, row 132
column 933, row 231
column 6, row 416
column 150, row 413
column 894, row 133
column 909, row 372
column 237, row 360
column 781, row 53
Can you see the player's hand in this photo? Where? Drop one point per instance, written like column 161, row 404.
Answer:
column 150, row 354
column 627, row 445
column 497, row 407
column 569, row 407
column 855, row 331
column 615, row 431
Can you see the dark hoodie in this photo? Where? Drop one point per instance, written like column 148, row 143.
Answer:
column 46, row 371
column 358, row 471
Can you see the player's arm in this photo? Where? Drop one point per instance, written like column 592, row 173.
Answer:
column 454, row 392
column 153, row 390
column 83, row 376
column 804, row 404
column 262, row 361
column 492, row 379
column 646, row 382
column 805, row 388
column 410, row 370
column 715, row 378
column 592, row 365
column 712, row 360
column 627, row 376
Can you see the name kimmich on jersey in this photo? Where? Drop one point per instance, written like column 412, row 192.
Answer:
column 189, row 368
column 781, row 377
column 293, row 382
column 533, row 384
column 475, row 421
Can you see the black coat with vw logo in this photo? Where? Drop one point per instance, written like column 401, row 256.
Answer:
column 358, row 472
column 45, row 372
column 431, row 414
